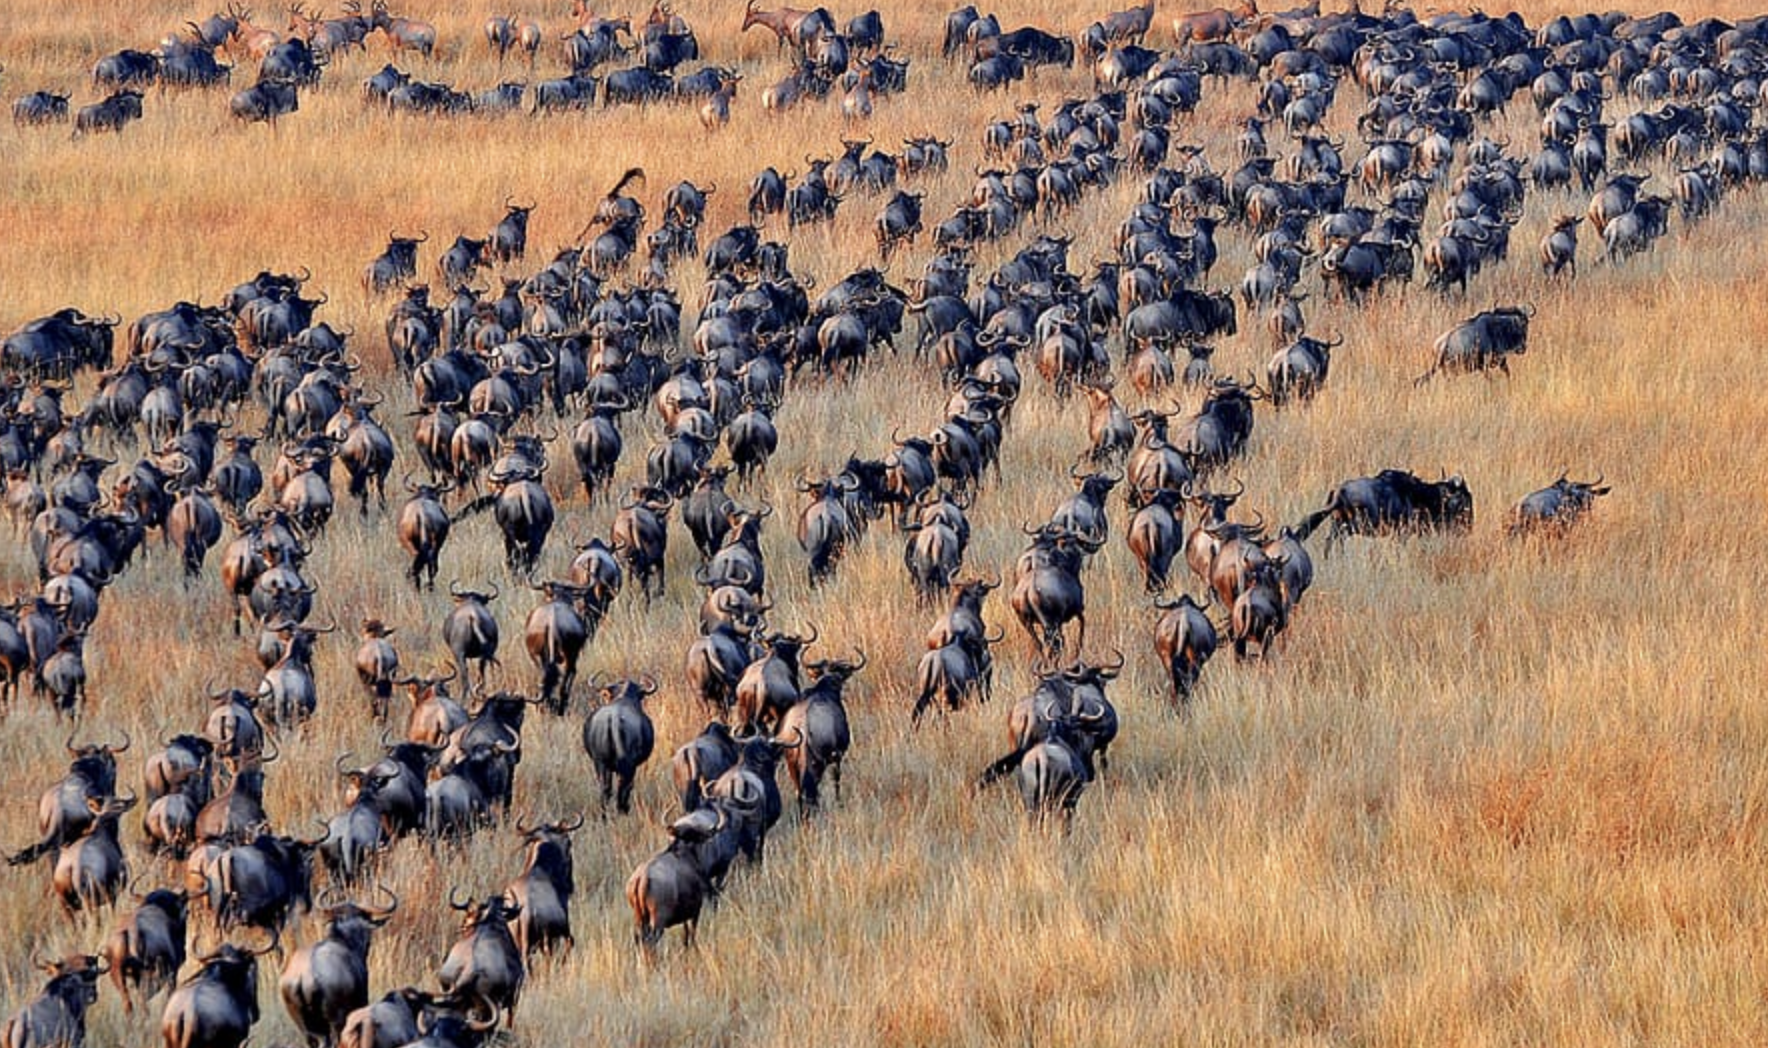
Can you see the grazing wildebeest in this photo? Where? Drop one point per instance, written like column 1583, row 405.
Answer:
column 1392, row 501
column 266, row 101
column 1555, row 508
column 109, row 115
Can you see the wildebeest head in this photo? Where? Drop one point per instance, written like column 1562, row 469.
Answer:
column 1456, row 506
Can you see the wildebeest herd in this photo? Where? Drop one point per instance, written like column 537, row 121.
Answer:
column 248, row 405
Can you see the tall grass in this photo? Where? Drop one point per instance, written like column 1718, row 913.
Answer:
column 1487, row 792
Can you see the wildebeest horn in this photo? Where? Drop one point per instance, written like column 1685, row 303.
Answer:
column 392, row 900
column 458, row 905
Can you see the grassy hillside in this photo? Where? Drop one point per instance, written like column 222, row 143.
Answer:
column 1486, row 792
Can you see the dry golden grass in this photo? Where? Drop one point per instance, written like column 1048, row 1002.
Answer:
column 1487, row 794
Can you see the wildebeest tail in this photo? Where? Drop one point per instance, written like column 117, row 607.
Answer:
column 478, row 505
column 31, row 854
column 1001, row 767
column 1313, row 520
column 631, row 174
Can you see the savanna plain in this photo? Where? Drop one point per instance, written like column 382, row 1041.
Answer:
column 1485, row 791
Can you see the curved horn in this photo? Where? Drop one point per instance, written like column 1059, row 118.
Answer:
column 392, row 900
column 274, row 947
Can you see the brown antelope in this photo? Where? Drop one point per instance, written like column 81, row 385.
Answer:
column 404, row 34
column 791, row 25
column 715, row 112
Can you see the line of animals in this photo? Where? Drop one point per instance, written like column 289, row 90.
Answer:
column 594, row 335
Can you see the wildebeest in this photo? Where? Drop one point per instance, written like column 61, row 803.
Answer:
column 1187, row 315
column 1155, row 536
column 56, row 1017
column 1392, row 501
column 826, row 527
column 423, row 527
column 485, row 964
column 899, row 221
column 40, row 107
column 125, row 68
column 749, row 793
column 266, row 101
column 1486, row 340
column 324, row 982
column 576, row 91
column 91, row 870
column 1053, row 774
column 293, row 59
column 1260, row 611
column 619, row 738
column 377, row 662
column 147, row 946
column 109, row 115
column 951, row 673
column 217, row 1006
column 470, row 632
column 1048, row 594
column 1555, row 508
column 770, row 685
column 524, row 513
column 701, row 760
column 64, row 811
column 1559, row 248
column 640, row 536
column 716, row 662
column 542, row 891
column 767, row 195
column 670, row 888
column 509, row 238
column 1299, row 369
column 58, row 345
column 1052, row 758
column 398, row 262
column 554, row 635
column 463, row 259
column 1185, row 639
column 819, row 721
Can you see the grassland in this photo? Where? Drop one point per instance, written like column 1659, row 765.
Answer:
column 1488, row 793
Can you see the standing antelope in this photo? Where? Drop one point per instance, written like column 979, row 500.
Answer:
column 404, row 34
column 715, row 112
